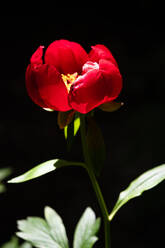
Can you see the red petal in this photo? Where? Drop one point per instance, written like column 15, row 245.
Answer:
column 101, row 52
column 32, row 87
column 66, row 56
column 46, row 87
column 95, row 87
column 36, row 58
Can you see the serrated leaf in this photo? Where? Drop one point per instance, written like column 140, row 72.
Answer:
column 86, row 229
column 36, row 231
column 146, row 181
column 40, row 170
column 49, row 233
column 90, row 242
column 13, row 243
column 57, row 227
column 25, row 245
column 96, row 146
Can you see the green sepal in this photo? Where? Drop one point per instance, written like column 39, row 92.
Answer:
column 76, row 126
column 71, row 130
column 111, row 106
column 69, row 135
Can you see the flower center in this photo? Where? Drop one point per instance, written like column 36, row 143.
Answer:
column 69, row 79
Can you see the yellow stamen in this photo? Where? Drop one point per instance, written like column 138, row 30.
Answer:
column 69, row 79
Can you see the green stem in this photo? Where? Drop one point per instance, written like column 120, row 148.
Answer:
column 95, row 184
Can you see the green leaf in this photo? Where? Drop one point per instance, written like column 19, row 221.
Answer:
column 86, row 229
column 5, row 172
column 42, row 233
column 146, row 181
column 2, row 188
column 40, row 170
column 57, row 227
column 25, row 245
column 96, row 146
column 48, row 109
column 13, row 243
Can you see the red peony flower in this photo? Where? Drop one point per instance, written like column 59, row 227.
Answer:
column 70, row 78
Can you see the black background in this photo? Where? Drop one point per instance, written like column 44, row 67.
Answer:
column 134, row 135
